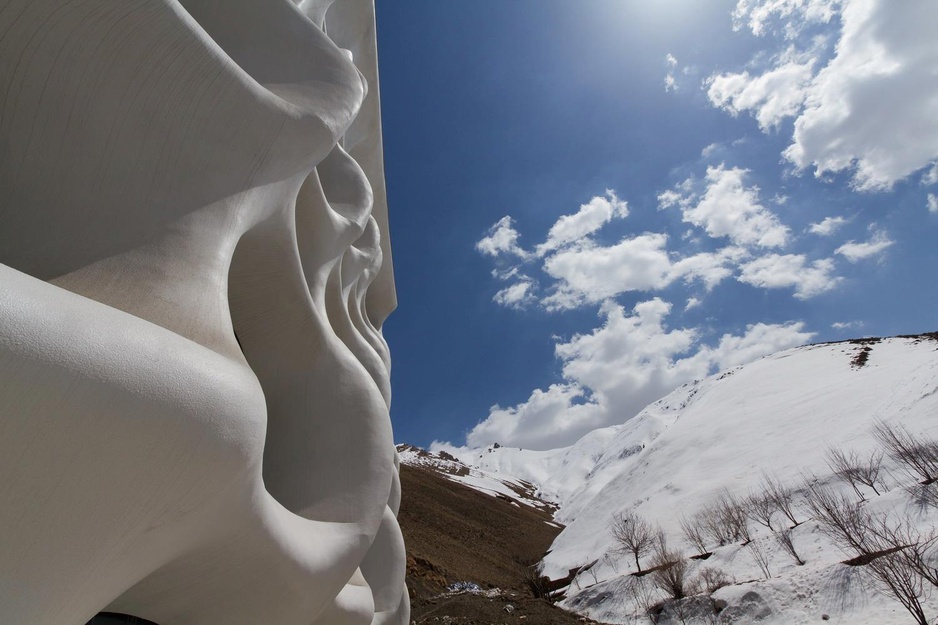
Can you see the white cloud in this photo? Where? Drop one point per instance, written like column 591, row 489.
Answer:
column 932, row 203
column 519, row 295
column 612, row 373
column 709, row 268
column 548, row 419
column 776, row 271
column 591, row 217
column 827, row 226
column 708, row 151
column 846, row 325
column 931, row 176
column 853, row 116
column 692, row 302
column 670, row 84
column 728, row 208
column 759, row 15
column 771, row 96
column 760, row 339
column 589, row 273
column 870, row 109
column 502, row 238
column 855, row 252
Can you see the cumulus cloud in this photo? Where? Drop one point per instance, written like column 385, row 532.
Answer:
column 590, row 273
column 776, row 271
column 610, row 374
column 519, row 295
column 827, row 226
column 770, row 96
column 591, row 217
column 761, row 16
column 932, row 202
column 760, row 339
column 692, row 302
column 501, row 239
column 869, row 109
column 709, row 268
column 855, row 252
column 548, row 419
column 727, row 208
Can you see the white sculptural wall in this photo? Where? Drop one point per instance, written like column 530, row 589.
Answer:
column 194, row 270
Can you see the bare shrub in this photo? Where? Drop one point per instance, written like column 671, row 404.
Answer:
column 694, row 533
column 644, row 596
column 734, row 516
column 723, row 521
column 869, row 470
column 761, row 556
column 634, row 535
column 761, row 509
column 782, row 496
column 840, row 519
column 906, row 541
column 898, row 560
column 711, row 521
column 669, row 571
column 531, row 573
column 918, row 456
column 893, row 576
column 855, row 469
column 788, row 546
column 923, row 494
column 712, row 580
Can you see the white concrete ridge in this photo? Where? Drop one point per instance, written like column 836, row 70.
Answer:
column 194, row 388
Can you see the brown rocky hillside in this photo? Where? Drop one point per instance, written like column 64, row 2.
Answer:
column 458, row 536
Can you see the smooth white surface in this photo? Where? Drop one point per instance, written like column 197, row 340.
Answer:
column 194, row 389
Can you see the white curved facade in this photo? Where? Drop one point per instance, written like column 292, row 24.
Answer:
column 194, row 270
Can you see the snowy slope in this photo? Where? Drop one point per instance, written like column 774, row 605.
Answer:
column 777, row 415
column 513, row 489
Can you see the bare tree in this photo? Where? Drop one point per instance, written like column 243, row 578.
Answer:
column 644, row 596
column 843, row 521
column 693, row 532
column 788, row 546
column 634, row 535
column 712, row 580
column 734, row 516
column 761, row 509
column 904, row 539
column 761, row 557
column 782, row 496
column 894, row 577
column 712, row 523
column 869, row 470
column 919, row 457
column 669, row 571
column 844, row 467
column 723, row 521
column 923, row 494
column 854, row 469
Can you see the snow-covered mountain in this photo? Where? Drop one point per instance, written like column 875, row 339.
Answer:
column 776, row 416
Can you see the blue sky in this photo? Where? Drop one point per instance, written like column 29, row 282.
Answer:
column 594, row 202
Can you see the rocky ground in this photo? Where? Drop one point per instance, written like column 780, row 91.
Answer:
column 467, row 555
